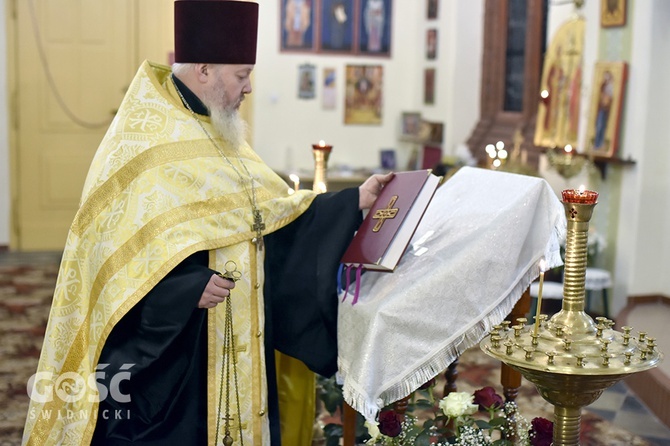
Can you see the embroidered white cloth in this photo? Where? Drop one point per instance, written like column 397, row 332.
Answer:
column 476, row 250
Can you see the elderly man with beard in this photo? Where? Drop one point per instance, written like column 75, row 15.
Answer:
column 189, row 263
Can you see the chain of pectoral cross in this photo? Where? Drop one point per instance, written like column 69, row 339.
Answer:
column 229, row 357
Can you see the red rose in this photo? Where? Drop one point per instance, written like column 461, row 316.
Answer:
column 542, row 432
column 487, row 398
column 390, row 423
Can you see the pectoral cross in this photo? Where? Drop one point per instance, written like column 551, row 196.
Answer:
column 229, row 422
column 258, row 227
column 382, row 214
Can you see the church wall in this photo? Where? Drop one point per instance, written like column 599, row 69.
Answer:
column 649, row 271
column 641, row 240
column 285, row 126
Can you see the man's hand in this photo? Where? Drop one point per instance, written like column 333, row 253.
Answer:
column 215, row 292
column 369, row 191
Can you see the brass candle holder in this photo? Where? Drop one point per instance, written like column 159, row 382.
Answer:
column 321, row 152
column 572, row 359
column 566, row 163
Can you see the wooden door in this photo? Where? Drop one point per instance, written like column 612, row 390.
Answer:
column 70, row 64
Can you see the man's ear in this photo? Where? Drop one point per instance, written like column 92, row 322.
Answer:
column 202, row 71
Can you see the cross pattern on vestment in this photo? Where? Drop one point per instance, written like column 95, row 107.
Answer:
column 238, row 348
column 388, row 212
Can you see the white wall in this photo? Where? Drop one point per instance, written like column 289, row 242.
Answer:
column 4, row 140
column 285, row 126
column 648, row 137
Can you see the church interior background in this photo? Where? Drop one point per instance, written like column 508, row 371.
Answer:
column 571, row 91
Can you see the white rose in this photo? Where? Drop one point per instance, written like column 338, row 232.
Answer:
column 457, row 404
column 373, row 430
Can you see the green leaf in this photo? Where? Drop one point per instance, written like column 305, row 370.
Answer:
column 423, row 404
column 423, row 439
column 482, row 424
column 497, row 422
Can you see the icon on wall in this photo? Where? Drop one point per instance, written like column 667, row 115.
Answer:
column 429, row 86
column 329, row 89
column 306, row 81
column 297, row 30
column 609, row 83
column 431, row 44
column 364, row 94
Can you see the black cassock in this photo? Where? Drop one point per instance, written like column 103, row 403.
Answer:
column 165, row 335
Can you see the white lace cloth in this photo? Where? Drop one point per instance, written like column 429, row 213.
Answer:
column 476, row 250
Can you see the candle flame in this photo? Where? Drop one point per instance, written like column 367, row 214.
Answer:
column 295, row 178
column 568, row 148
column 581, row 190
column 543, row 265
column 322, row 143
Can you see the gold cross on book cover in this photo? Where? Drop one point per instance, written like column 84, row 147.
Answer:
column 382, row 214
column 388, row 228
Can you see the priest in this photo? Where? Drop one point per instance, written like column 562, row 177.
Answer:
column 189, row 263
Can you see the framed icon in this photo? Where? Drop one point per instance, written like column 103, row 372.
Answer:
column 297, row 25
column 374, row 29
column 612, row 13
column 609, row 83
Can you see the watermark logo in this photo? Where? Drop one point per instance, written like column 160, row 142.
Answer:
column 71, row 387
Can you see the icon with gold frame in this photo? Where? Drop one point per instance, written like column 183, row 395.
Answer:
column 609, row 82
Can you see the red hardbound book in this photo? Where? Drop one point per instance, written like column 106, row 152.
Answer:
column 390, row 224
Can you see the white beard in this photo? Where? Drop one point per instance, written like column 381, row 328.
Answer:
column 230, row 126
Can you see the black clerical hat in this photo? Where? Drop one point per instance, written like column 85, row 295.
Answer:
column 215, row 31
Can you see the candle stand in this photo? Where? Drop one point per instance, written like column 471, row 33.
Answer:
column 321, row 154
column 572, row 359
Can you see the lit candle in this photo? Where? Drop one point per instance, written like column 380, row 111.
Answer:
column 321, row 145
column 296, row 181
column 539, row 298
column 580, row 196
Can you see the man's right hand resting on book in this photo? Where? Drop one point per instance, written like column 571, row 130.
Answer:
column 369, row 190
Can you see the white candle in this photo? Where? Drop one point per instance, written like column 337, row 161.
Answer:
column 539, row 298
column 296, row 181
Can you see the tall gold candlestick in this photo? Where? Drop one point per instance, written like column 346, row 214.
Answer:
column 571, row 360
column 321, row 152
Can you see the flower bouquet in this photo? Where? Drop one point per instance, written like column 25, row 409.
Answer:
column 460, row 418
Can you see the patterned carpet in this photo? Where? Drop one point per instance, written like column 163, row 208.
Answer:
column 26, row 288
